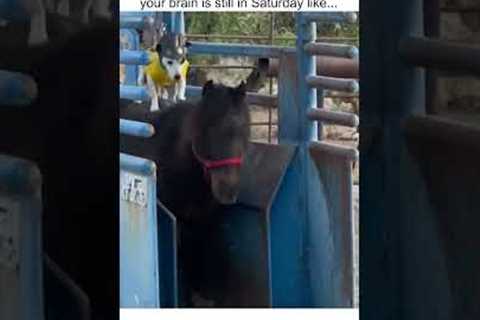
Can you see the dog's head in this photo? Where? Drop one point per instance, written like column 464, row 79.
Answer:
column 172, row 50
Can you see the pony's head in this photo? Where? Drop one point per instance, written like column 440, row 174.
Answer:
column 221, row 137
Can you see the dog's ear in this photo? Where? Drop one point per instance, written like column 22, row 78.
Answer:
column 241, row 90
column 207, row 87
column 158, row 48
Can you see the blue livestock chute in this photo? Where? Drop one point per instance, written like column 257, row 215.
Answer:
column 148, row 273
column 288, row 242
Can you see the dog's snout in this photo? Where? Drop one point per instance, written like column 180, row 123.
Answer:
column 177, row 77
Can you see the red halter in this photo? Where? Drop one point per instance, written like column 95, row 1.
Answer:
column 213, row 164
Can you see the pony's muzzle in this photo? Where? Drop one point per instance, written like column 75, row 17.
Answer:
column 225, row 184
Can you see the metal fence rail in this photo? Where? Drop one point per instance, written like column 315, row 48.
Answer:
column 308, row 175
column 440, row 54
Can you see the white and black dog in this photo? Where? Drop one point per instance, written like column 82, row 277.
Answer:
column 36, row 12
column 166, row 75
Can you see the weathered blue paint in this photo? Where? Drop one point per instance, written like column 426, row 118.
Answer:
column 302, row 261
column 319, row 270
column 17, row 89
column 290, row 130
column 134, row 57
column 136, row 128
column 139, row 260
column 334, row 117
column 136, row 165
column 134, row 93
column 21, row 256
column 133, row 20
column 132, row 40
column 332, row 50
column 307, row 97
column 336, row 84
column 335, row 173
column 174, row 22
column 238, row 49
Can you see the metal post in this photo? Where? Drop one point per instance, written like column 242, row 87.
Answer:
column 272, row 33
column 21, row 268
column 174, row 22
column 306, row 33
column 132, row 40
column 431, row 16
column 391, row 190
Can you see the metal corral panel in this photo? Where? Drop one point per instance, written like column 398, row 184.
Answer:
column 21, row 281
column 167, row 250
column 232, row 254
column 335, row 174
column 139, row 263
column 130, row 40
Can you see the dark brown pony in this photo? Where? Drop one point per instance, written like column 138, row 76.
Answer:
column 198, row 148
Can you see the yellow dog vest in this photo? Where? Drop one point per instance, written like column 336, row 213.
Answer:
column 159, row 74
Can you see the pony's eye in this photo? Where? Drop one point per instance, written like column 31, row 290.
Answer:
column 170, row 62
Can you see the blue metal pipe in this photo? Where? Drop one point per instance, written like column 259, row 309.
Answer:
column 134, row 93
column 178, row 26
column 132, row 42
column 341, row 17
column 169, row 21
column 17, row 89
column 134, row 57
column 137, row 165
column 136, row 128
column 336, row 84
column 238, row 49
column 332, row 50
column 232, row 49
column 306, row 33
column 133, row 20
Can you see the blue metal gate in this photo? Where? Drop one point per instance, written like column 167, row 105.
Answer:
column 291, row 244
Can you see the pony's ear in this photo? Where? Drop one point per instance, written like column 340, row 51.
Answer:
column 207, row 87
